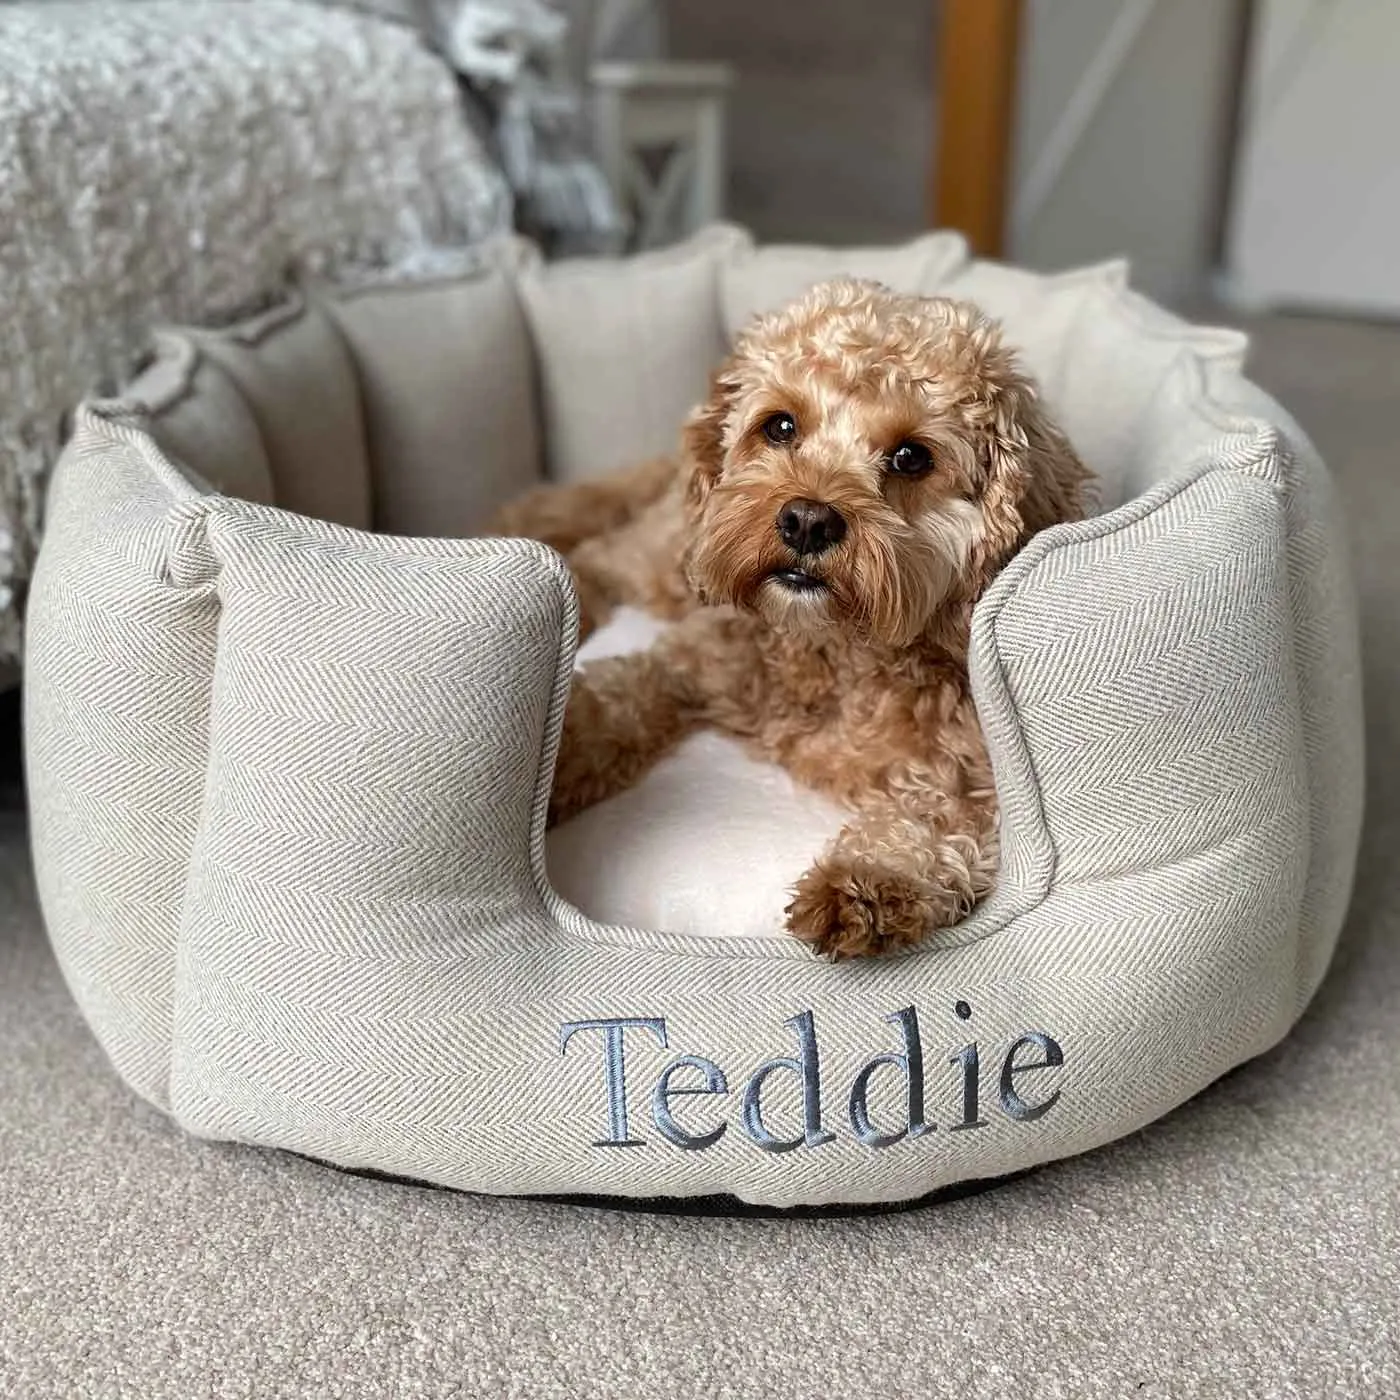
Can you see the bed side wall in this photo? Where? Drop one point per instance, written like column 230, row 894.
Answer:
column 118, row 669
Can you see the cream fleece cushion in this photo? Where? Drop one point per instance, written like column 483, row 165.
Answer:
column 288, row 782
column 636, row 859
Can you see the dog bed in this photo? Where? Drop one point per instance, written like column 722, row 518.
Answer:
column 290, row 739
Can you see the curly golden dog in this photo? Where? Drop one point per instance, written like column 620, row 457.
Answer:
column 864, row 465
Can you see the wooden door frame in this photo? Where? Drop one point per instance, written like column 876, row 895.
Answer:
column 977, row 59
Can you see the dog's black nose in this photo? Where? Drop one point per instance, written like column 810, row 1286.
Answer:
column 809, row 527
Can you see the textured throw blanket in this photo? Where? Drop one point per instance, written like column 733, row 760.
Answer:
column 523, row 62
column 175, row 160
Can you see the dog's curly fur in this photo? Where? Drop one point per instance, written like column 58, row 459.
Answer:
column 841, row 655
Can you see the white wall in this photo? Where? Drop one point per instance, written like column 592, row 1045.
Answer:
column 831, row 117
column 1123, row 130
column 1316, row 218
column 1123, row 136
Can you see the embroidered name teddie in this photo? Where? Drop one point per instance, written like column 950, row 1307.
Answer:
column 673, row 1104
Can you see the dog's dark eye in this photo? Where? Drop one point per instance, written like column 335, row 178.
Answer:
column 780, row 428
column 910, row 459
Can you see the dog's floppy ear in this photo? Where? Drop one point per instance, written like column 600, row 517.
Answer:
column 702, row 437
column 1034, row 476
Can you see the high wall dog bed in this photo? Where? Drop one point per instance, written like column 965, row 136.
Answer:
column 288, row 776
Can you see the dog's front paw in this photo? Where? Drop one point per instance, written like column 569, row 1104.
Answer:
column 857, row 911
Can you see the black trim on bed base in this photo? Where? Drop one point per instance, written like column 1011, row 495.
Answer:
column 717, row 1206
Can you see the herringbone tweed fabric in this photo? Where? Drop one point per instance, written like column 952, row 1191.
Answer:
column 288, row 782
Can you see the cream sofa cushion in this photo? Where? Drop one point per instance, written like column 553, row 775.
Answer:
column 756, row 280
column 625, row 349
column 451, row 432
column 295, row 372
column 199, row 417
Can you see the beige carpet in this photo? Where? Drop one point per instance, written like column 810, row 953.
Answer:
column 1247, row 1246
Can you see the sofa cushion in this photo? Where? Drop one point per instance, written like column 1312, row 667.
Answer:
column 447, row 385
column 201, row 420
column 296, row 375
column 755, row 280
column 625, row 349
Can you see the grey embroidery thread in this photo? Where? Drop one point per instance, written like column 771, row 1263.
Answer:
column 1032, row 1052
